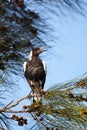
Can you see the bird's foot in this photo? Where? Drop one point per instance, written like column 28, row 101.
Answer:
column 36, row 97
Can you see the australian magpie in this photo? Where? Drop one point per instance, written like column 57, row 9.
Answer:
column 35, row 72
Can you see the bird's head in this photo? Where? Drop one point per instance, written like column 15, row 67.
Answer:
column 36, row 52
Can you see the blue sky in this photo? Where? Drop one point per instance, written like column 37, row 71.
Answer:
column 70, row 51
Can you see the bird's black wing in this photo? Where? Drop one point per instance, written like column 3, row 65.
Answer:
column 35, row 71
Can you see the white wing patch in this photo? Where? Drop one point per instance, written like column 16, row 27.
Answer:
column 30, row 56
column 44, row 65
column 24, row 66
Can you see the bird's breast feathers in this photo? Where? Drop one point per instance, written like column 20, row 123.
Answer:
column 34, row 67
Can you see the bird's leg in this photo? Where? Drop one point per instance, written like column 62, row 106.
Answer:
column 42, row 92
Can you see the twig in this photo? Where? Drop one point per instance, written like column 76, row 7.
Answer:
column 15, row 111
column 18, row 101
column 10, row 105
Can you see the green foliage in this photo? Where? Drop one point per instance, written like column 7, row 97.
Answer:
column 62, row 108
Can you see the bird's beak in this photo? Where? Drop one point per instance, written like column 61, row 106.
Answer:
column 42, row 49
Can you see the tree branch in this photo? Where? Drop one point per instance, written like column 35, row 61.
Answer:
column 8, row 107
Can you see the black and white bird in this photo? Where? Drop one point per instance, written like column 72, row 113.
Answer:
column 35, row 72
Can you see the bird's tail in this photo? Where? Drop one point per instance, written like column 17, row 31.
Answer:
column 37, row 92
